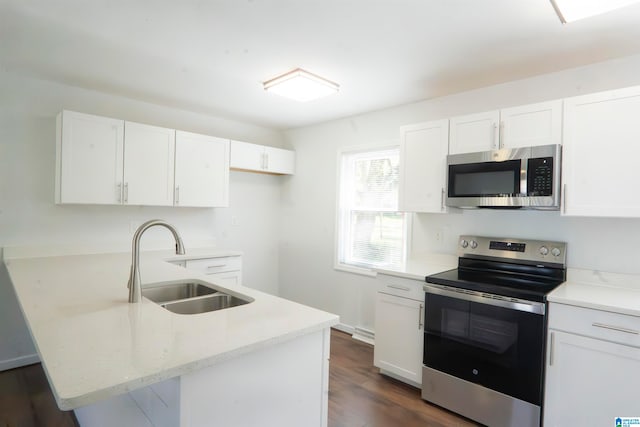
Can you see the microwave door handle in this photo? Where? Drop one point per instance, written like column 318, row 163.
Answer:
column 523, row 177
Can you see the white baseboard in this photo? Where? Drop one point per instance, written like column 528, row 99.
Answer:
column 344, row 328
column 364, row 335
column 357, row 333
column 17, row 362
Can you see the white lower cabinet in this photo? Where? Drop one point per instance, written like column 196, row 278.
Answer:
column 593, row 367
column 399, row 328
column 224, row 270
column 285, row 384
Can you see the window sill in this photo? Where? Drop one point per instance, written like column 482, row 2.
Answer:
column 356, row 270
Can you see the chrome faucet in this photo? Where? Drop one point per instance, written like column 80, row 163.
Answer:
column 134, row 285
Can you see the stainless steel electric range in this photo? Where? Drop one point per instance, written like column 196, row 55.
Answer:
column 485, row 326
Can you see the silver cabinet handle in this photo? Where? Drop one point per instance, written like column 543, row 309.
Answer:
column 177, row 195
column 217, row 266
column 442, row 199
column 552, row 341
column 420, row 321
column 616, row 328
column 501, row 135
column 126, row 192
column 564, row 199
column 402, row 288
column 119, row 192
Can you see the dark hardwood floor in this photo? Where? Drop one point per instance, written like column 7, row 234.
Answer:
column 26, row 400
column 358, row 395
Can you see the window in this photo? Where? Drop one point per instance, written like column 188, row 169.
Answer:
column 371, row 232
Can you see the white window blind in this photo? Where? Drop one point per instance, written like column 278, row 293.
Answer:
column 371, row 233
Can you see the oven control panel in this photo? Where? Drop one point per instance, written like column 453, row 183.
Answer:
column 517, row 249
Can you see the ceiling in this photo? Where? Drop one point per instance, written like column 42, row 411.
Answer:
column 211, row 56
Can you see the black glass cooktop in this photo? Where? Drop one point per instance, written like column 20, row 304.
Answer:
column 529, row 282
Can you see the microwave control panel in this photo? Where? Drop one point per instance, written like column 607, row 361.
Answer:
column 540, row 176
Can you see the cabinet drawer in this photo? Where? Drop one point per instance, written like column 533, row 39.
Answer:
column 229, row 278
column 214, row 265
column 399, row 286
column 614, row 327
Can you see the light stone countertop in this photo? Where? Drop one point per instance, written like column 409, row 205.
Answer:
column 422, row 265
column 614, row 292
column 94, row 345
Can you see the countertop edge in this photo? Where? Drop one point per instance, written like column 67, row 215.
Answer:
column 73, row 402
column 605, row 291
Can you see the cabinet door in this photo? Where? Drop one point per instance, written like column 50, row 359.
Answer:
column 149, row 153
column 589, row 382
column 399, row 336
column 230, row 278
column 475, row 132
column 202, row 170
column 89, row 159
column 280, row 161
column 533, row 124
column 423, row 159
column 247, row 156
column 600, row 154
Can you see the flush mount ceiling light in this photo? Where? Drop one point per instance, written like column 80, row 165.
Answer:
column 572, row 10
column 301, row 86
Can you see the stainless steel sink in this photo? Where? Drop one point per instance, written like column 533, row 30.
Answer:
column 202, row 305
column 176, row 291
column 192, row 297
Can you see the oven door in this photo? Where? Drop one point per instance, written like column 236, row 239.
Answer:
column 498, row 344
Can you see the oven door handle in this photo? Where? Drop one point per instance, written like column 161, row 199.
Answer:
column 483, row 298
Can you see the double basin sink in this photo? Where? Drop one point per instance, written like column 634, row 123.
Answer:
column 192, row 297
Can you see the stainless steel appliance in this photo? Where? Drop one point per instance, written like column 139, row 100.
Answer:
column 526, row 178
column 485, row 326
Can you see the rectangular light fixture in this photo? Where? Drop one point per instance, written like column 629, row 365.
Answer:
column 573, row 10
column 301, row 85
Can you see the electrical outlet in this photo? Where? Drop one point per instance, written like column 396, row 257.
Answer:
column 234, row 221
column 440, row 235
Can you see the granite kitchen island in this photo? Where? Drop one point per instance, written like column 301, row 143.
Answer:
column 117, row 363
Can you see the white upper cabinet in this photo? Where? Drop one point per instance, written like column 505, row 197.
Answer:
column 106, row 161
column 423, row 153
column 523, row 126
column 600, row 154
column 474, row 132
column 531, row 125
column 261, row 158
column 280, row 161
column 89, row 164
column 148, row 165
column 202, row 170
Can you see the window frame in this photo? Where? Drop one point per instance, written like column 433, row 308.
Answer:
column 370, row 271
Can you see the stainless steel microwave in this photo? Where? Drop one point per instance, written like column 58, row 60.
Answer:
column 527, row 178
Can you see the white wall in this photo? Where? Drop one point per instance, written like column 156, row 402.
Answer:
column 306, row 266
column 28, row 216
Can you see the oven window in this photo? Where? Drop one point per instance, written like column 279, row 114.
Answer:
column 497, row 347
column 485, row 179
column 480, row 331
